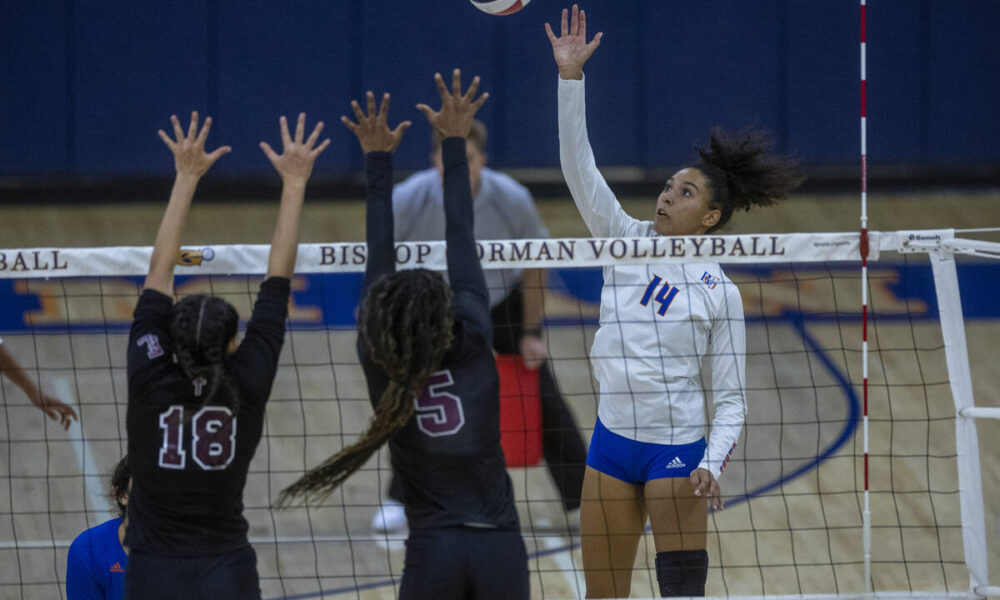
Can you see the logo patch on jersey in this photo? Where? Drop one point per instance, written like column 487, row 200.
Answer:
column 116, row 568
column 710, row 280
column 152, row 344
column 677, row 463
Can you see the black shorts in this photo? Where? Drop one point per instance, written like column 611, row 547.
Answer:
column 465, row 562
column 214, row 577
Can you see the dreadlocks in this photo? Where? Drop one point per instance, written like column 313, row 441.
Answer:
column 743, row 174
column 201, row 328
column 406, row 321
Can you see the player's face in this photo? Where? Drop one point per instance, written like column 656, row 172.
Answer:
column 476, row 158
column 682, row 208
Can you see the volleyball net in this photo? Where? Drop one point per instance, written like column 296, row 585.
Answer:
column 797, row 509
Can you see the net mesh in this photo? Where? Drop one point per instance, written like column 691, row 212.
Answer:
column 794, row 504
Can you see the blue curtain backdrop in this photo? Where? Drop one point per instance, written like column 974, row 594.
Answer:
column 85, row 85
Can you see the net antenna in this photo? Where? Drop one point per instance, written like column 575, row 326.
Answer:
column 866, row 517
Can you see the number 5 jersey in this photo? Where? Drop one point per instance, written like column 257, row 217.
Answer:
column 448, row 457
column 189, row 460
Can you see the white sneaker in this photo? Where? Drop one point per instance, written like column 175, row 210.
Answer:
column 390, row 518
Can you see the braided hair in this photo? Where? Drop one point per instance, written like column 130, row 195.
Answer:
column 201, row 328
column 119, row 484
column 406, row 321
column 742, row 173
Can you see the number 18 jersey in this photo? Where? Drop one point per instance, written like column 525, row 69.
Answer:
column 189, row 461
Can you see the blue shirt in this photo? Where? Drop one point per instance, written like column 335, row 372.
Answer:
column 95, row 567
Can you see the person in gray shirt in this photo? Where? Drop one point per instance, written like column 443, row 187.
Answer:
column 504, row 209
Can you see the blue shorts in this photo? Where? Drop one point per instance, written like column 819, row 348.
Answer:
column 638, row 462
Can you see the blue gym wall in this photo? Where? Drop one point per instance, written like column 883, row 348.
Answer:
column 85, row 84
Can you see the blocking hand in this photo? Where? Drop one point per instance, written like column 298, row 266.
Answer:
column 457, row 109
column 372, row 129
column 190, row 157
column 295, row 163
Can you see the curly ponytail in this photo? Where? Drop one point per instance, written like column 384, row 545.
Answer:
column 407, row 322
column 201, row 328
column 743, row 173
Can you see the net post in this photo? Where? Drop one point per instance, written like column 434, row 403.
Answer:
column 970, row 484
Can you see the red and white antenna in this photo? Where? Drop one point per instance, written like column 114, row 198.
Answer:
column 866, row 519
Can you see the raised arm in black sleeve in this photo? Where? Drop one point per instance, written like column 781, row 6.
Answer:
column 256, row 361
column 378, row 217
column 472, row 298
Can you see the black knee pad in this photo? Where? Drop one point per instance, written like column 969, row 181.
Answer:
column 682, row 572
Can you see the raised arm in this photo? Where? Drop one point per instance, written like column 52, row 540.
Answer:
column 191, row 162
column 378, row 142
column 453, row 122
column 597, row 204
column 295, row 165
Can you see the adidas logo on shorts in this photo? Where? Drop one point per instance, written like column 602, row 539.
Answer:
column 677, row 463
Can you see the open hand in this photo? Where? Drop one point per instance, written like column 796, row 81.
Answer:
column 372, row 129
column 705, row 486
column 457, row 109
column 190, row 157
column 55, row 409
column 571, row 50
column 295, row 163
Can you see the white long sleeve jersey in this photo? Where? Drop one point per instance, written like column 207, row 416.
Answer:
column 662, row 326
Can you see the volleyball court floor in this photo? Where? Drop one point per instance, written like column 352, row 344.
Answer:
column 792, row 524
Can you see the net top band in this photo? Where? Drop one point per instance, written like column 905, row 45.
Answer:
column 350, row 257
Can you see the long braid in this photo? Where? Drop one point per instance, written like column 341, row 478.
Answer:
column 406, row 321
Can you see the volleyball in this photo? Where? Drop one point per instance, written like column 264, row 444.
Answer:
column 500, row 7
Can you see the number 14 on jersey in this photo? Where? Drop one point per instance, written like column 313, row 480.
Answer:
column 665, row 296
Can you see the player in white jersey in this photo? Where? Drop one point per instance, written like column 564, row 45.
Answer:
column 659, row 325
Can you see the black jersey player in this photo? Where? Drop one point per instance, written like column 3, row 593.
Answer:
column 427, row 352
column 196, row 401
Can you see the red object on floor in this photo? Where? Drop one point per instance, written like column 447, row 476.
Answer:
column 520, row 412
